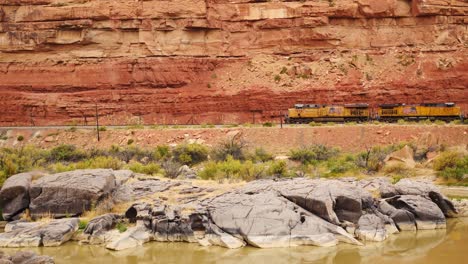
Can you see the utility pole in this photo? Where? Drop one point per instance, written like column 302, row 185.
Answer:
column 97, row 122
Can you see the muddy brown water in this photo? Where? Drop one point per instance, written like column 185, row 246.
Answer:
column 433, row 246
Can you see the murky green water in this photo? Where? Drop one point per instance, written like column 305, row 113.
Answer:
column 439, row 246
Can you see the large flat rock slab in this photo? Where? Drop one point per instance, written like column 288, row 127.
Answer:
column 70, row 193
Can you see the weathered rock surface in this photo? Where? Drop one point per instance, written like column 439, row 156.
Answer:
column 70, row 193
column 34, row 234
column 25, row 257
column 263, row 213
column 371, row 228
column 14, row 195
column 268, row 220
column 209, row 58
column 426, row 213
column 101, row 224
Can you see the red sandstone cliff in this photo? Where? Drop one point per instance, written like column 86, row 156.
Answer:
column 216, row 61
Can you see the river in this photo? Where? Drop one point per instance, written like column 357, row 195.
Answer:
column 433, row 246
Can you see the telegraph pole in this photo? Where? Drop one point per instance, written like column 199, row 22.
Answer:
column 97, row 122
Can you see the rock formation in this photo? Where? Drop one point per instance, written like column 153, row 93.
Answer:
column 262, row 213
column 214, row 61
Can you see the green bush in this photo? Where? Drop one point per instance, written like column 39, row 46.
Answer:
column 313, row 153
column 260, row 155
column 190, row 154
column 278, row 168
column 130, row 141
column 162, row 152
column 100, row 163
column 102, row 128
column 232, row 169
column 66, row 153
column 234, row 148
column 268, row 124
column 451, row 165
column 82, row 225
column 341, row 165
column 150, row 168
column 20, row 138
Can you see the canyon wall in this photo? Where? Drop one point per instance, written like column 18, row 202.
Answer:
column 220, row 61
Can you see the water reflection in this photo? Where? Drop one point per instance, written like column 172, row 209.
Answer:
column 438, row 246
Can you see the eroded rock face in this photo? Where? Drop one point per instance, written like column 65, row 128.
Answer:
column 268, row 220
column 35, row 234
column 129, row 54
column 371, row 228
column 70, row 193
column 14, row 195
column 426, row 213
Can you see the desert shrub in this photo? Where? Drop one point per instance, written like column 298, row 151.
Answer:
column 439, row 122
column 129, row 153
column 313, row 153
column 20, row 138
column 162, row 152
column 102, row 128
column 130, row 141
column 278, row 168
column 190, row 154
column 451, row 165
column 372, row 159
column 82, row 225
column 100, row 163
column 268, row 124
column 232, row 169
column 341, row 165
column 150, row 168
column 171, row 169
column 233, row 147
column 66, row 153
column 397, row 169
column 260, row 155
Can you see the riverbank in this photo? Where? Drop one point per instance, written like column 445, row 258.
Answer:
column 425, row 247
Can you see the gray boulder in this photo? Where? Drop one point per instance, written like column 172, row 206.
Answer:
column 371, row 228
column 403, row 219
column 267, row 219
column 35, row 234
column 70, row 193
column 332, row 200
column 426, row 213
column 14, row 195
column 428, row 190
column 141, row 188
column 100, row 224
column 133, row 237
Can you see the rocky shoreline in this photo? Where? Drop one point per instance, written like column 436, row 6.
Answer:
column 263, row 213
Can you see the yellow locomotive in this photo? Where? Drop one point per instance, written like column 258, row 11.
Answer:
column 416, row 112
column 305, row 113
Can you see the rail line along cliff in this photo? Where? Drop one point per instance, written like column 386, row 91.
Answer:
column 220, row 61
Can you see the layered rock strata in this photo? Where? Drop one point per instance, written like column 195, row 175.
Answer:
column 217, row 61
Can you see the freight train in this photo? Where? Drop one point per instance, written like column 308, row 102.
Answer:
column 306, row 113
